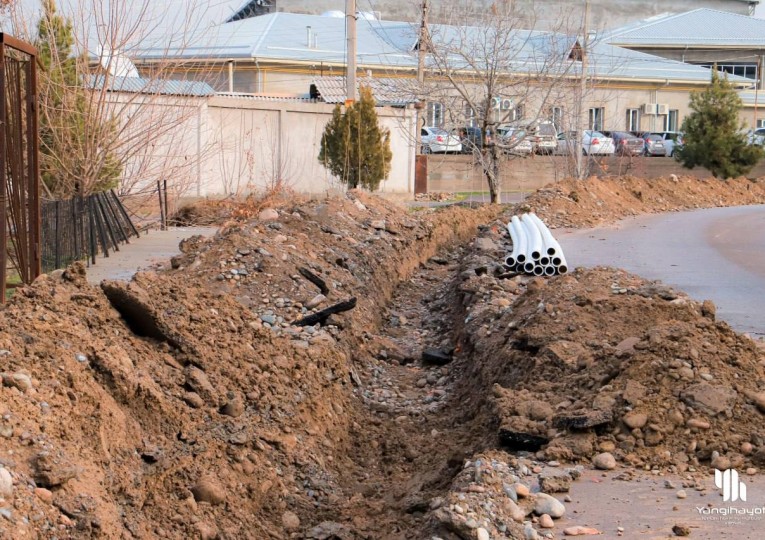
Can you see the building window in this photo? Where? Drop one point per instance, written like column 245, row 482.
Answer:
column 518, row 112
column 470, row 120
column 742, row 70
column 760, row 123
column 557, row 118
column 633, row 120
column 435, row 114
column 670, row 122
column 596, row 118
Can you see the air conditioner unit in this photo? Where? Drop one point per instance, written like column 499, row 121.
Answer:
column 507, row 104
column 496, row 103
column 662, row 108
column 649, row 108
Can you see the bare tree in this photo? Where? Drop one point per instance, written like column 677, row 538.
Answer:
column 485, row 70
column 124, row 122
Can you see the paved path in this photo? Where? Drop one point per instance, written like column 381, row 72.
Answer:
column 717, row 253
column 153, row 247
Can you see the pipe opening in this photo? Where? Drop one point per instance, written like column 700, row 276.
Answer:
column 549, row 270
column 557, row 261
column 528, row 267
column 562, row 269
column 539, row 270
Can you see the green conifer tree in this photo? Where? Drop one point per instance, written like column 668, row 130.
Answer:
column 354, row 147
column 713, row 132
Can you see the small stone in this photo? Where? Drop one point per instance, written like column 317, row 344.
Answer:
column 316, row 301
column 233, row 408
column 546, row 522
column 698, row 423
column 529, row 532
column 268, row 214
column 6, row 483
column 708, row 310
column 682, row 494
column 290, row 521
column 206, row 531
column 193, row 400
column 721, row 462
column 681, row 530
column 546, row 504
column 482, row 534
column 19, row 380
column 515, row 512
column 578, row 530
column 521, row 489
column 45, row 495
column 604, row 461
column 209, row 491
column 635, row 420
column 747, row 448
column 378, row 224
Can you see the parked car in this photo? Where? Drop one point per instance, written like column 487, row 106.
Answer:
column 672, row 140
column 436, row 140
column 594, row 143
column 518, row 140
column 545, row 138
column 654, row 145
column 625, row 143
column 470, row 138
column 756, row 136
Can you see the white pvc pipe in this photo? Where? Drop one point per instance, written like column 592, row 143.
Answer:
column 539, row 270
column 528, row 267
column 550, row 244
column 520, row 256
column 535, row 237
column 562, row 266
column 512, row 259
column 550, row 270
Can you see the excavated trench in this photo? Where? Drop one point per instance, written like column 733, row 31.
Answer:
column 411, row 437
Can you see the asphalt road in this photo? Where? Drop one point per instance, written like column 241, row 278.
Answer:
column 716, row 254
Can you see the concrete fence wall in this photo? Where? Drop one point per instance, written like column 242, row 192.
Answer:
column 224, row 146
column 460, row 173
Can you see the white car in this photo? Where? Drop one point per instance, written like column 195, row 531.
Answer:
column 756, row 136
column 517, row 140
column 594, row 143
column 436, row 140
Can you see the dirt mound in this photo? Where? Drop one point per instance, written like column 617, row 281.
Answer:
column 193, row 403
column 604, row 361
column 586, row 203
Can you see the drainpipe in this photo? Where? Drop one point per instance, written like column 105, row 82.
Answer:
column 231, row 76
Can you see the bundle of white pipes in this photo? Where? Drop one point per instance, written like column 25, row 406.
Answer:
column 535, row 251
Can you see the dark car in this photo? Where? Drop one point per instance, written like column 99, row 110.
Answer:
column 626, row 143
column 470, row 137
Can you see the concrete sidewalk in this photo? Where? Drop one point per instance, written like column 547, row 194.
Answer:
column 151, row 248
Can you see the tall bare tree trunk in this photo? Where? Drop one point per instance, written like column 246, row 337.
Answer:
column 491, row 172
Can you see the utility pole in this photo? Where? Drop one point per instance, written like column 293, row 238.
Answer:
column 350, row 29
column 422, row 51
column 582, row 91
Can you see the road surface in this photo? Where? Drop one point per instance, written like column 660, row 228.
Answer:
column 716, row 253
column 151, row 248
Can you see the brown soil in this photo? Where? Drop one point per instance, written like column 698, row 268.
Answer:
column 192, row 403
column 590, row 202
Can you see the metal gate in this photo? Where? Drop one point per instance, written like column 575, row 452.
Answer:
column 19, row 165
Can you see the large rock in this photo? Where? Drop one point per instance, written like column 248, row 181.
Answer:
column 555, row 481
column 604, row 461
column 546, row 504
column 709, row 399
column 208, row 490
column 268, row 214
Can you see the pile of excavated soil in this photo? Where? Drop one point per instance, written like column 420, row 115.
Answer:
column 603, row 361
column 195, row 403
column 586, row 203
